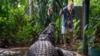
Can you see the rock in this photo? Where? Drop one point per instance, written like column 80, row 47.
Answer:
column 67, row 53
column 10, row 52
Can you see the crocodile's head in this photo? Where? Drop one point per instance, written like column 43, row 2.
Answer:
column 48, row 33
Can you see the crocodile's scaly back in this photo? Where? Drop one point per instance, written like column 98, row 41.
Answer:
column 43, row 48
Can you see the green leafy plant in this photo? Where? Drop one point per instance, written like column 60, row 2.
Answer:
column 95, row 40
column 92, row 29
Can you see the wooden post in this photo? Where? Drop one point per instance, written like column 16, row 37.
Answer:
column 86, row 21
column 30, row 8
column 82, row 20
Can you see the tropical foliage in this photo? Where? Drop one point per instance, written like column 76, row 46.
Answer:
column 17, row 28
